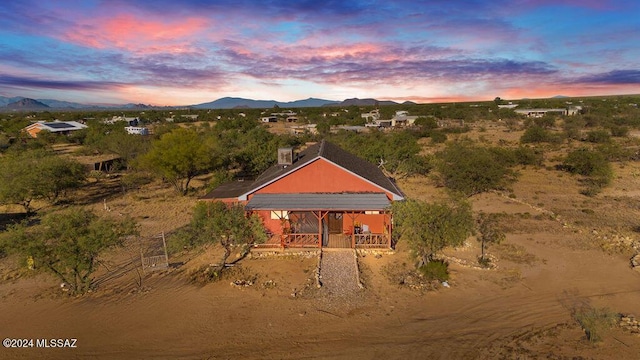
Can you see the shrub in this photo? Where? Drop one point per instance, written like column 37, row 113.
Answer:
column 135, row 180
column 613, row 151
column 545, row 121
column 588, row 163
column 619, row 131
column 538, row 134
column 438, row 137
column 426, row 123
column 519, row 156
column 183, row 239
column 598, row 136
column 435, row 270
column 528, row 156
column 591, row 164
column 572, row 127
column 471, row 170
column 595, row 322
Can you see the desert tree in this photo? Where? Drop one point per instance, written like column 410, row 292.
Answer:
column 397, row 153
column 430, row 227
column 593, row 165
column 127, row 146
column 179, row 156
column 469, row 170
column 37, row 174
column 229, row 226
column 68, row 244
column 489, row 233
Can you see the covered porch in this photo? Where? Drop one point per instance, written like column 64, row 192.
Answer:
column 361, row 220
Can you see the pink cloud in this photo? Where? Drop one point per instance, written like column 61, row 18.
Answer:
column 137, row 34
column 545, row 91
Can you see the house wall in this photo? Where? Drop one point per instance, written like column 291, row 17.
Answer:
column 272, row 225
column 321, row 177
column 377, row 222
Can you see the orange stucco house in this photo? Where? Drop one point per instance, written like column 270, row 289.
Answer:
column 322, row 196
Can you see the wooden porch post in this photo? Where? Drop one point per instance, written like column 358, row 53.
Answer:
column 353, row 229
column 390, row 226
column 320, row 216
column 320, row 229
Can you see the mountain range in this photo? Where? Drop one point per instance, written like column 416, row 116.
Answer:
column 23, row 103
column 27, row 104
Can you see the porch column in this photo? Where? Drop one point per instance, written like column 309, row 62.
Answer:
column 389, row 226
column 320, row 229
column 353, row 230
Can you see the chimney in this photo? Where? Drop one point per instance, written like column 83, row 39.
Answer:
column 285, row 156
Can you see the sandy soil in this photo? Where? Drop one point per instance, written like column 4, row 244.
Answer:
column 557, row 256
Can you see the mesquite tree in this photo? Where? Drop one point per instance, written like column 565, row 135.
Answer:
column 229, row 226
column 430, row 227
column 68, row 244
column 489, row 232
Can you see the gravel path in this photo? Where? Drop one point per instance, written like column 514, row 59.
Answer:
column 339, row 273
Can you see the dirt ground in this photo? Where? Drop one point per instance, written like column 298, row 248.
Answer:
column 563, row 251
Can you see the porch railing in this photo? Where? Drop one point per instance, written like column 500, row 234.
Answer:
column 301, row 240
column 372, row 240
column 312, row 240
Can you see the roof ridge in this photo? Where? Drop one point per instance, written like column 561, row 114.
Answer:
column 321, row 148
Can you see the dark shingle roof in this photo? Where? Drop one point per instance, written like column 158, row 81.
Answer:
column 357, row 166
column 323, row 149
column 228, row 190
column 336, row 155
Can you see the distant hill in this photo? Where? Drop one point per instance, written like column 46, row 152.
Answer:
column 26, row 104
column 365, row 102
column 136, row 106
column 242, row 103
column 57, row 104
column 22, row 103
column 4, row 101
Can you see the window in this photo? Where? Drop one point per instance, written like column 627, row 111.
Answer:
column 279, row 214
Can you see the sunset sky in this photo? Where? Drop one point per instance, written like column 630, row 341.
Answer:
column 169, row 52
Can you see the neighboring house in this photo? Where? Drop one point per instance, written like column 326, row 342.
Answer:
column 372, row 115
column 536, row 113
column 303, row 129
column 268, row 119
column 450, row 123
column 136, row 130
column 320, row 197
column 402, row 118
column 132, row 121
column 192, row 117
column 284, row 114
column 57, row 127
